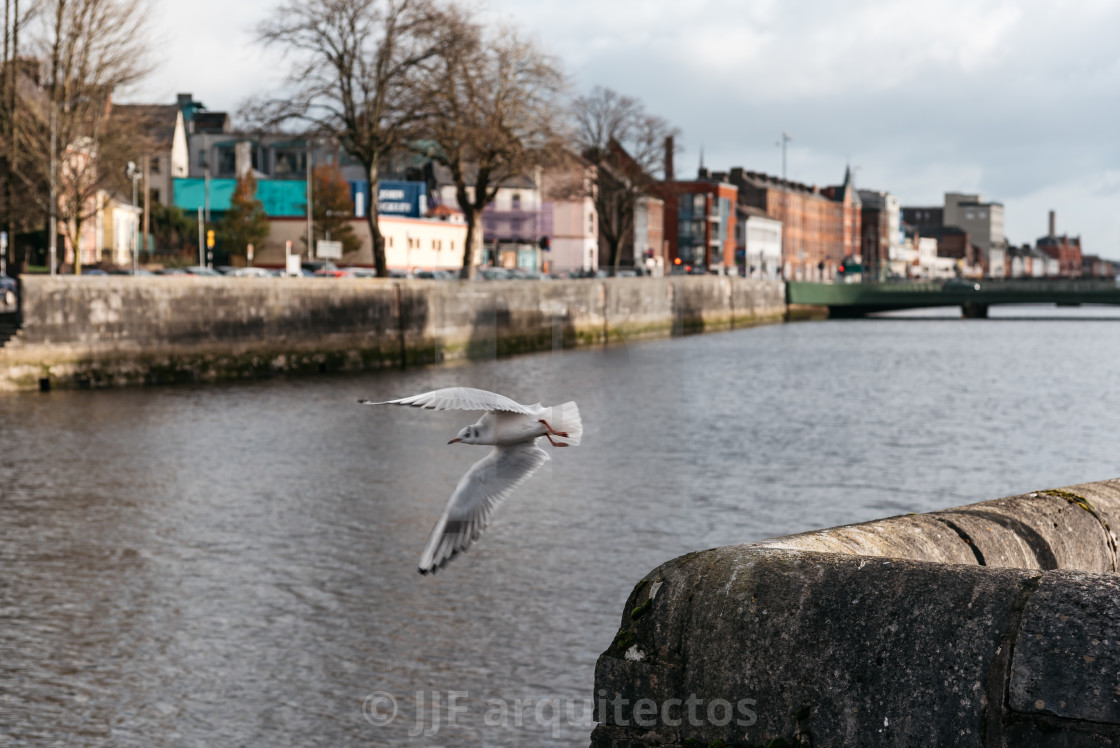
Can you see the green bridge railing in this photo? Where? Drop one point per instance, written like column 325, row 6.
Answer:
column 856, row 299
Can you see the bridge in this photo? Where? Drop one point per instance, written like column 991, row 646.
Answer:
column 846, row 300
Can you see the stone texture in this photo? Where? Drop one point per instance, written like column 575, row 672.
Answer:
column 844, row 649
column 93, row 331
column 919, row 537
column 1067, row 655
column 846, row 636
column 1041, row 530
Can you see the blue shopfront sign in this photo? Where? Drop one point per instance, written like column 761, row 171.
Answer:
column 402, row 199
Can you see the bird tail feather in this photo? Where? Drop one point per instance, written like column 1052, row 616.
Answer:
column 566, row 418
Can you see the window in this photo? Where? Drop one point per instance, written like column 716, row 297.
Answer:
column 290, row 161
column 153, row 165
column 390, row 238
column 515, row 201
column 227, row 161
column 983, row 214
column 969, row 215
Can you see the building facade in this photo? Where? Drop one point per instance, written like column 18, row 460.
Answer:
column 699, row 221
column 817, row 231
column 759, row 254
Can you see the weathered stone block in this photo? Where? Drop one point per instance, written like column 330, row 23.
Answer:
column 1067, row 655
column 769, row 644
column 1036, row 531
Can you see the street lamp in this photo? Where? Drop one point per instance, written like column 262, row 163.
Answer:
column 134, row 174
column 785, row 199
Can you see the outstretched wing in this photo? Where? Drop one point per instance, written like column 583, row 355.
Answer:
column 480, row 491
column 457, row 398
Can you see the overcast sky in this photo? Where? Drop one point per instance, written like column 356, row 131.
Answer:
column 1019, row 101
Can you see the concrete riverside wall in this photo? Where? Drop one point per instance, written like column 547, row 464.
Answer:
column 101, row 331
column 993, row 624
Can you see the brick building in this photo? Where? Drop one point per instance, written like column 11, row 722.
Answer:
column 851, row 214
column 699, row 220
column 1065, row 249
column 818, row 231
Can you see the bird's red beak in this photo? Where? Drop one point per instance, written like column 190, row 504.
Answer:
column 456, row 439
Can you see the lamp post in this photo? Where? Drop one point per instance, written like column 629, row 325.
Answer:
column 785, row 199
column 134, row 174
column 310, row 220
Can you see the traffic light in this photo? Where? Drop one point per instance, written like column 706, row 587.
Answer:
column 210, row 238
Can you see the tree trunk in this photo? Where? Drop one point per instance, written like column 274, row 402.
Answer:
column 373, row 210
column 472, row 251
column 616, row 255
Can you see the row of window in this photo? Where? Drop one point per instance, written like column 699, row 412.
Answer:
column 415, row 243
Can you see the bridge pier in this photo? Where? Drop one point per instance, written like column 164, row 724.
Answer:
column 974, row 311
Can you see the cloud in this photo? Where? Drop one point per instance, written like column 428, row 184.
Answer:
column 1014, row 99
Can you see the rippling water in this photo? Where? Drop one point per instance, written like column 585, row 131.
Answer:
column 235, row 564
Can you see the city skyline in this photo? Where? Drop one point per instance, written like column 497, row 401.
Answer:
column 1011, row 100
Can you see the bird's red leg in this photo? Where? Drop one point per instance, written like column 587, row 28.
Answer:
column 555, row 444
column 552, row 430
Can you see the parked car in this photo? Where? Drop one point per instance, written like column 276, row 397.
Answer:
column 252, row 273
column 199, row 270
column 437, row 274
column 128, row 271
column 491, row 273
column 314, row 266
column 358, row 273
column 93, row 271
column 9, row 289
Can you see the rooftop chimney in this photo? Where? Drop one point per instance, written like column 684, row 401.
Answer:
column 1052, row 227
column 669, row 159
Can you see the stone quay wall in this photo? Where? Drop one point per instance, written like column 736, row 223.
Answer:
column 992, row 624
column 105, row 331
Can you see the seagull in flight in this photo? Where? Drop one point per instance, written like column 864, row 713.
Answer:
column 513, row 430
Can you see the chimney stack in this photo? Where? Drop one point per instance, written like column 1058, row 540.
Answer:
column 669, row 159
column 1052, row 232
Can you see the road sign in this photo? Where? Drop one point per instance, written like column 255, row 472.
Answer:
column 325, row 250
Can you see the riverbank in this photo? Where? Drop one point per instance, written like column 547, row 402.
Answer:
column 118, row 331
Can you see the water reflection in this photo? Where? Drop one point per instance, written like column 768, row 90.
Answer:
column 236, row 564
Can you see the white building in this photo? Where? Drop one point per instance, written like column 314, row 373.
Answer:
column 760, row 236
column 932, row 266
column 410, row 243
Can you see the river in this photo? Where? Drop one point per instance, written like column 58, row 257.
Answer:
column 236, row 564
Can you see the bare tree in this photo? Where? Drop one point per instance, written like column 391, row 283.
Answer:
column 91, row 48
column 13, row 69
column 356, row 73
column 494, row 115
column 626, row 145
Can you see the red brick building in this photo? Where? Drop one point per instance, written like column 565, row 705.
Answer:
column 1065, row 249
column 818, row 232
column 699, row 220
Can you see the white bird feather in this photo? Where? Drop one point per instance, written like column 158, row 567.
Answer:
column 513, row 430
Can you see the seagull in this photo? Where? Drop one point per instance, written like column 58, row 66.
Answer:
column 513, row 430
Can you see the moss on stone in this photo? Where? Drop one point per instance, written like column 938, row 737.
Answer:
column 1071, row 497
